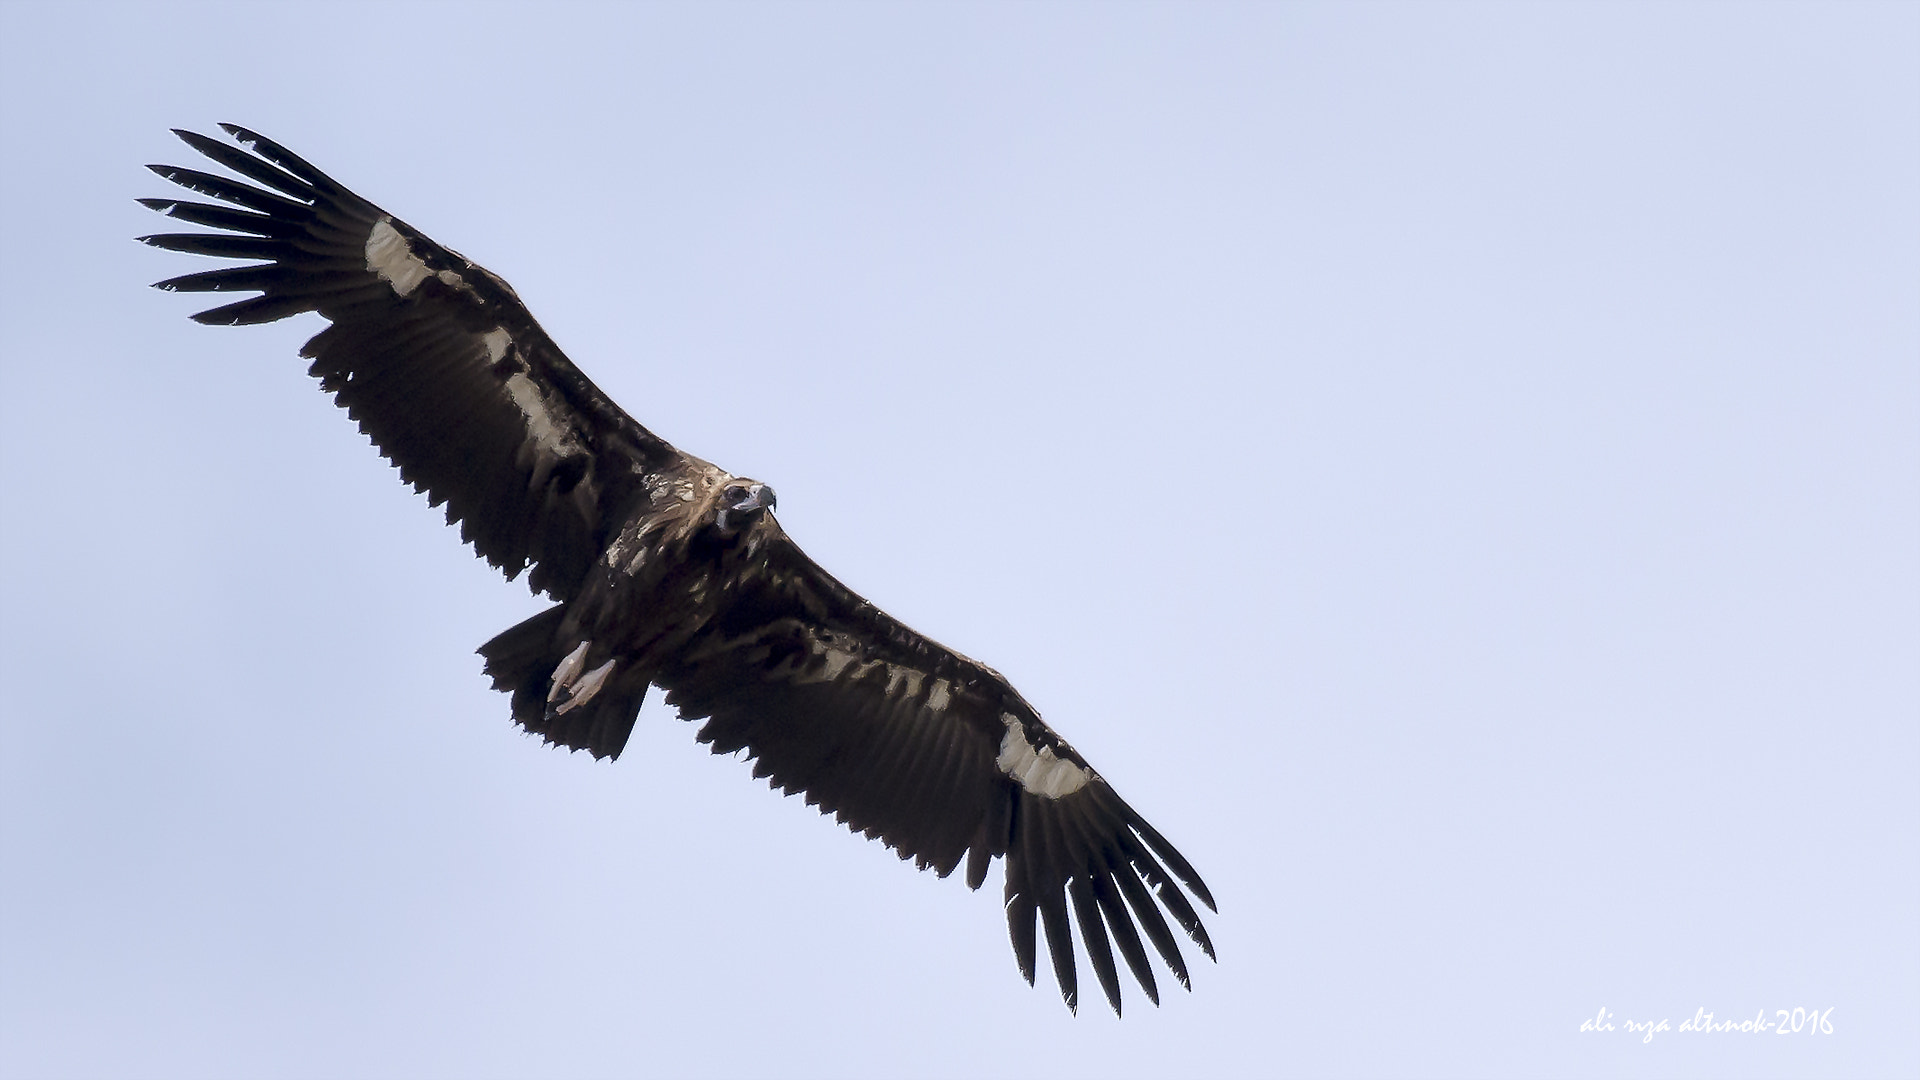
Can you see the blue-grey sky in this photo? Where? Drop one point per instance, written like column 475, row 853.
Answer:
column 1454, row 468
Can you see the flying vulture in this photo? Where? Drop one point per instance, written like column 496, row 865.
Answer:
column 668, row 571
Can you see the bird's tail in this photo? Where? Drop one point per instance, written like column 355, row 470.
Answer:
column 562, row 690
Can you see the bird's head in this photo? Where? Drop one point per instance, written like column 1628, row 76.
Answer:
column 741, row 503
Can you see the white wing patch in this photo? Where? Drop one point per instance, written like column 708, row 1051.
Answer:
column 545, row 428
column 836, row 662
column 497, row 341
column 941, row 693
column 390, row 256
column 903, row 679
column 1041, row 772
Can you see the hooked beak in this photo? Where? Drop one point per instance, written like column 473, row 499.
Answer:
column 759, row 497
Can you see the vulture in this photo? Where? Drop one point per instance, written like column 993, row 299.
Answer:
column 667, row 571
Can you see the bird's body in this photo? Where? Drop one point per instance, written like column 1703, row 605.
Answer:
column 670, row 572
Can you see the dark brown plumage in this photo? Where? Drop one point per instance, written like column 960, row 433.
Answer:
column 670, row 572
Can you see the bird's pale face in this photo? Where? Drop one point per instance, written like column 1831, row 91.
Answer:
column 741, row 503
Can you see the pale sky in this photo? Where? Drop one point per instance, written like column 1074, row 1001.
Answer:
column 1455, row 469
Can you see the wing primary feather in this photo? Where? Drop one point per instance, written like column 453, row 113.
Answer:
column 219, row 187
column 1039, row 849
column 1021, row 910
column 1021, row 913
column 249, row 165
column 219, row 245
column 1175, row 861
column 1093, row 934
column 1102, row 862
column 260, row 309
column 1125, row 934
column 264, row 276
column 1168, row 894
column 287, row 160
column 1147, row 914
column 221, row 217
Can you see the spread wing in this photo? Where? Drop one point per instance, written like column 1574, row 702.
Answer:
column 935, row 754
column 434, row 356
column 901, row 738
